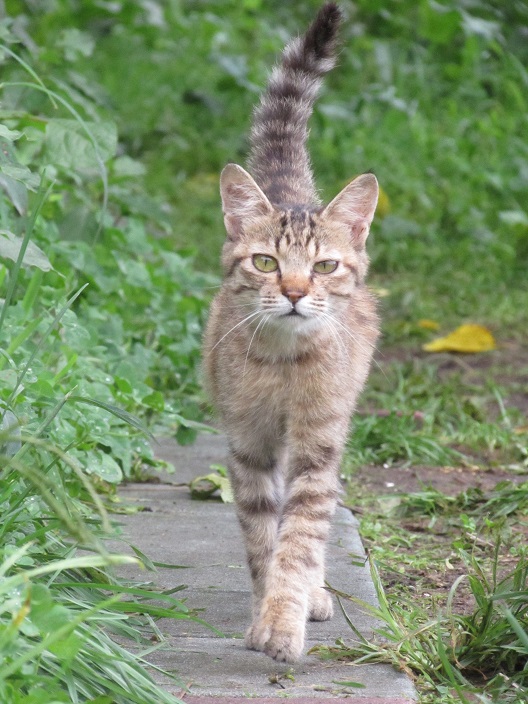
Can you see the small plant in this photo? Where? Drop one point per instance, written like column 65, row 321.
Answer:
column 59, row 611
column 484, row 651
column 506, row 499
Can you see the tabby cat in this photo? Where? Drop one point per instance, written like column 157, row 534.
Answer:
column 289, row 343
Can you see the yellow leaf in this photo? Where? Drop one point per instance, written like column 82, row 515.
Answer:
column 466, row 338
column 428, row 324
column 381, row 292
column 384, row 205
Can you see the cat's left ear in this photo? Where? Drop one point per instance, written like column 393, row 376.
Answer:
column 355, row 207
column 242, row 200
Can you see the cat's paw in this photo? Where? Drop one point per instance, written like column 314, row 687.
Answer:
column 285, row 645
column 252, row 641
column 276, row 639
column 321, row 605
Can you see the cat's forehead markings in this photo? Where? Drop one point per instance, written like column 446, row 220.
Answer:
column 284, row 234
column 297, row 228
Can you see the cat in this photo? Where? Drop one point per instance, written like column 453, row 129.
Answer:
column 288, row 344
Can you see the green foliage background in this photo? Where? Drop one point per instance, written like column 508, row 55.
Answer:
column 431, row 96
column 115, row 120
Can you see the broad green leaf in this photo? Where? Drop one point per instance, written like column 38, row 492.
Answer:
column 67, row 649
column 75, row 44
column 478, row 26
column 514, row 217
column 438, row 24
column 106, row 468
column 69, row 144
column 10, row 167
column 126, row 167
column 155, row 400
column 186, row 435
column 9, row 134
column 16, row 191
column 10, row 246
column 49, row 618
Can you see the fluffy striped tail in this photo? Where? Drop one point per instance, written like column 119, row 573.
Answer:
column 278, row 158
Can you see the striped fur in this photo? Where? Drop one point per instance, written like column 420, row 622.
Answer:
column 278, row 159
column 287, row 351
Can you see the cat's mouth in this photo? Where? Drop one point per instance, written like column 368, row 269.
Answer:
column 294, row 312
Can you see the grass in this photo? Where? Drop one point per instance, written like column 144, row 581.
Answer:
column 63, row 619
column 440, row 410
column 450, row 571
column 110, row 187
column 454, row 655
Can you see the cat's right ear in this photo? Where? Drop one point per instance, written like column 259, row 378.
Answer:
column 242, row 200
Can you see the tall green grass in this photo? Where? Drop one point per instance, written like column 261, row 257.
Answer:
column 454, row 655
column 64, row 624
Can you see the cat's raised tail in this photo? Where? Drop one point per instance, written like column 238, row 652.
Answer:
column 278, row 159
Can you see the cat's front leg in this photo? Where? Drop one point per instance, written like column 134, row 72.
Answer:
column 294, row 588
column 257, row 487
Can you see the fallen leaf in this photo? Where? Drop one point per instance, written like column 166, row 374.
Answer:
column 347, row 683
column 428, row 324
column 204, row 487
column 384, row 204
column 381, row 292
column 468, row 338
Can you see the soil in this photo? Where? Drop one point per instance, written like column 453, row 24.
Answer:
column 432, row 583
column 508, row 368
column 449, row 480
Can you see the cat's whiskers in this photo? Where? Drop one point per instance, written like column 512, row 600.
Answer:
column 262, row 322
column 263, row 326
column 348, row 332
column 245, row 320
column 328, row 321
column 355, row 339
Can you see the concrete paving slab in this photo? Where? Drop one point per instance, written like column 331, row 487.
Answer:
column 205, row 538
column 226, row 668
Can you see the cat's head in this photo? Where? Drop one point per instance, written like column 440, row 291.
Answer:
column 297, row 265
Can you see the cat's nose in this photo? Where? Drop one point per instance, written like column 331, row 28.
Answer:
column 294, row 296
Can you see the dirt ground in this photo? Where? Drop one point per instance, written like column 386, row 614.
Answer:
column 449, row 480
column 431, row 582
column 508, row 368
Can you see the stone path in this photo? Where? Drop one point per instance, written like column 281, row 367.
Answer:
column 204, row 536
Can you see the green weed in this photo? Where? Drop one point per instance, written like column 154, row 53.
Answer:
column 60, row 612
column 454, row 654
column 416, row 413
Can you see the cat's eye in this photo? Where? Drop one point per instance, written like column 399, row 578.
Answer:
column 326, row 267
column 264, row 263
